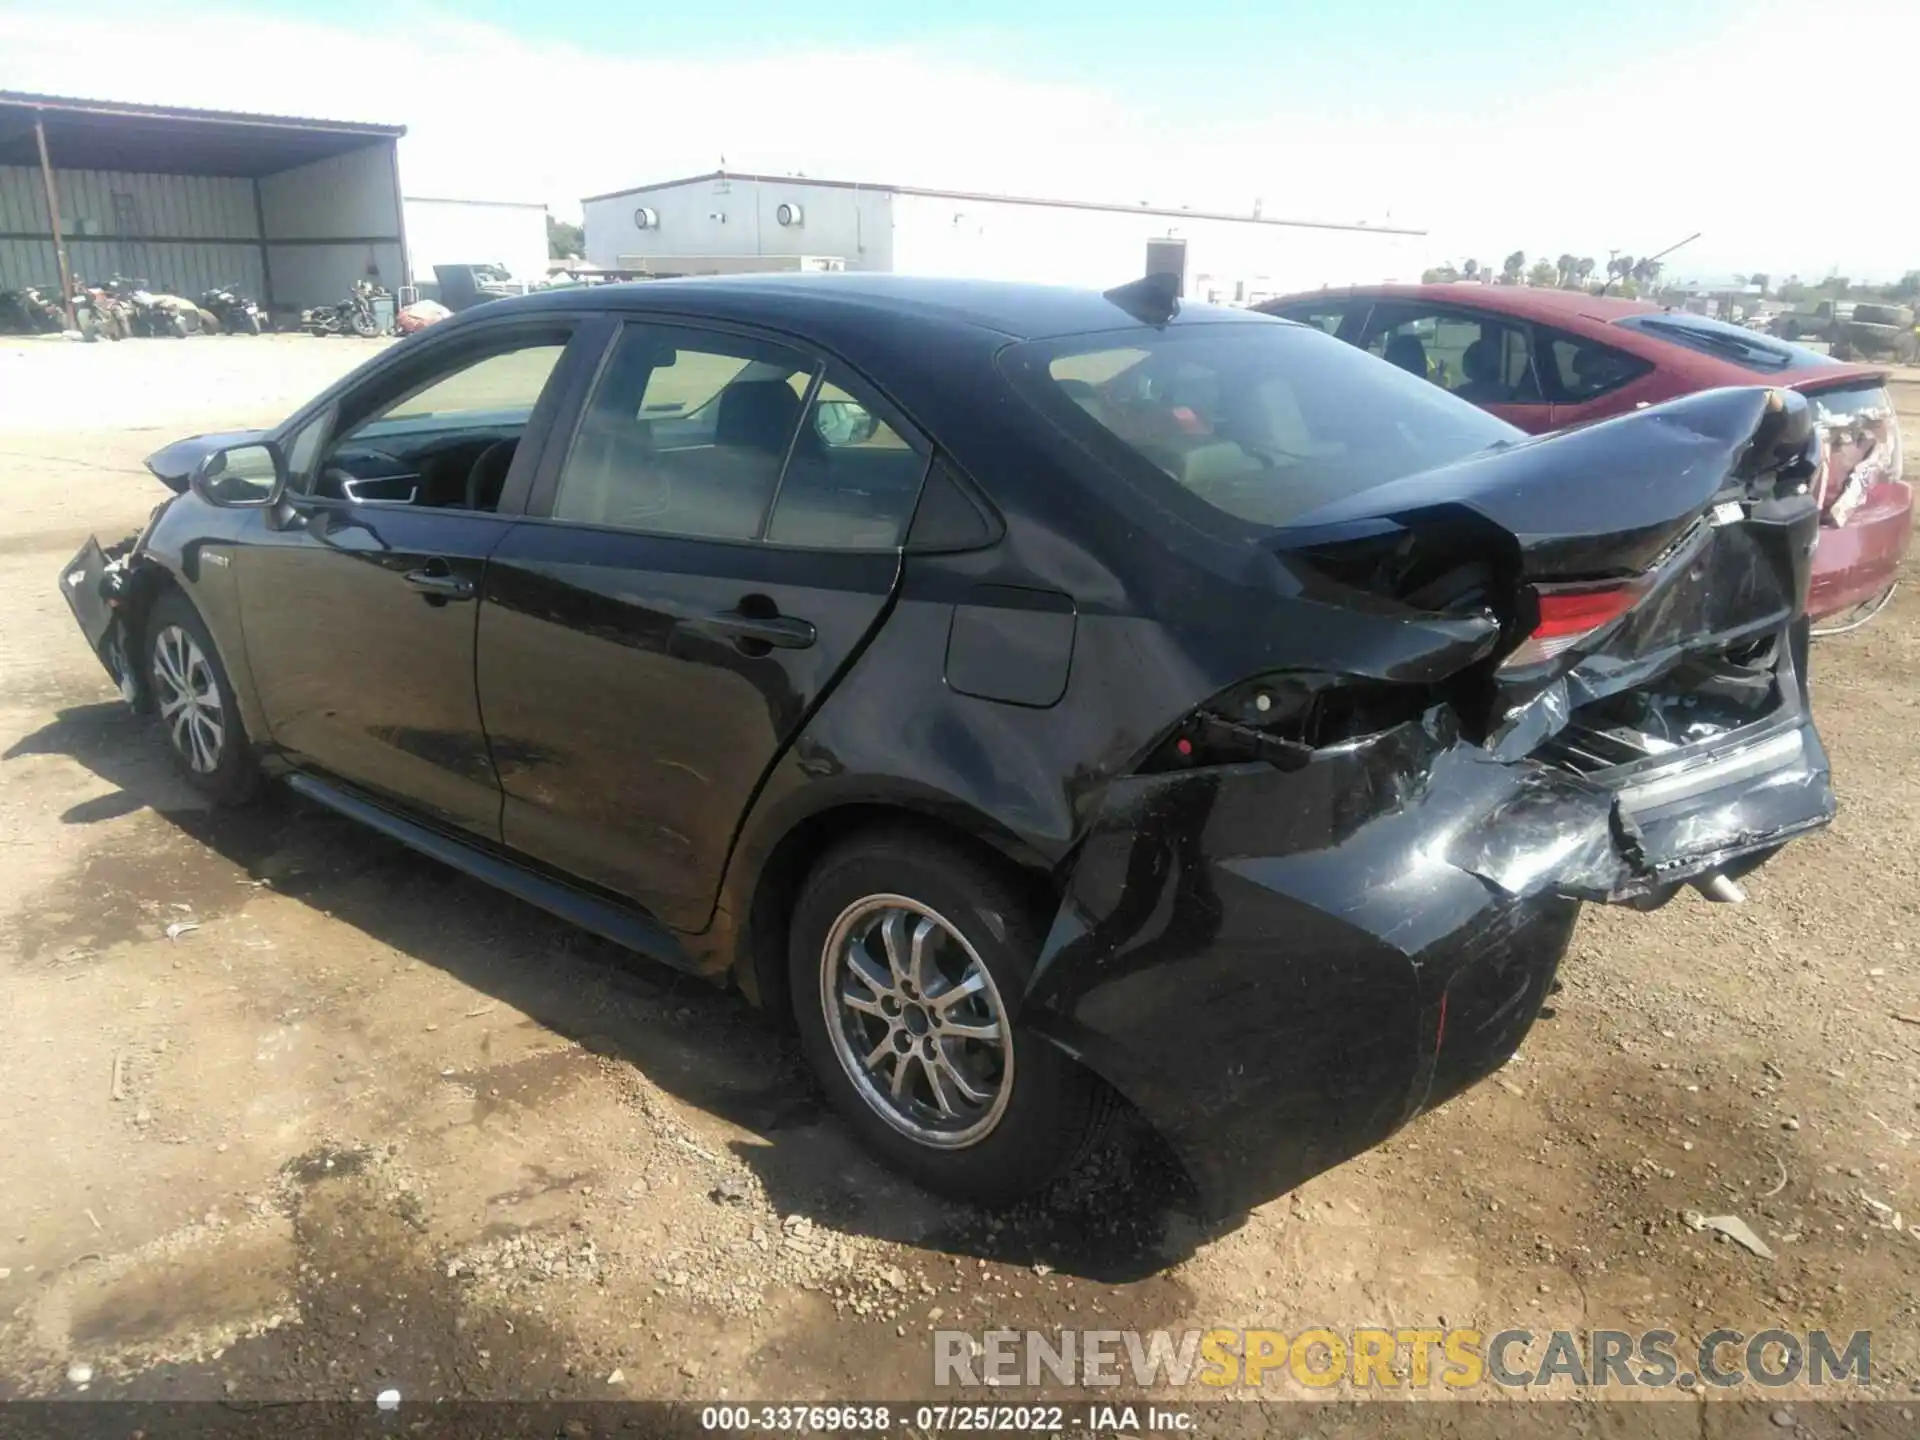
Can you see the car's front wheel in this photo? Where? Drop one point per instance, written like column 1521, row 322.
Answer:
column 908, row 961
column 194, row 700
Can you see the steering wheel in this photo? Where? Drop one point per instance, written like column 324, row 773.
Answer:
column 488, row 475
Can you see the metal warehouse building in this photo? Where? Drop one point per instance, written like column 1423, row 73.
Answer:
column 722, row 222
column 289, row 211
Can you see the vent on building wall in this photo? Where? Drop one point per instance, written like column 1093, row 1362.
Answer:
column 789, row 213
column 645, row 219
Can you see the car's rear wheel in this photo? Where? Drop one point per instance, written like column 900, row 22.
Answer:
column 908, row 959
column 194, row 700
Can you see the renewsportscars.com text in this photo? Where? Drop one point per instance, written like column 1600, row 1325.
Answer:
column 1418, row 1359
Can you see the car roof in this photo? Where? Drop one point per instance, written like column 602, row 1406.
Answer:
column 1530, row 301
column 1014, row 309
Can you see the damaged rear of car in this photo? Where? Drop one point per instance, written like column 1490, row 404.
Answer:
column 1496, row 677
column 1224, row 717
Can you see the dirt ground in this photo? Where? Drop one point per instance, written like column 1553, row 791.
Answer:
column 286, row 1111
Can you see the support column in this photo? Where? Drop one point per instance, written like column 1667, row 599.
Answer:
column 53, row 216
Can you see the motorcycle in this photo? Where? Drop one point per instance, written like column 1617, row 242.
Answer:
column 154, row 314
column 235, row 313
column 100, row 314
column 351, row 316
column 30, row 311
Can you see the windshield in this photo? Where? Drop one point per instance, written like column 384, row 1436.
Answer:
column 1743, row 347
column 1262, row 421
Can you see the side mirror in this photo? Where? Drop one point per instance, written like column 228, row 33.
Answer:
column 246, row 477
column 844, row 422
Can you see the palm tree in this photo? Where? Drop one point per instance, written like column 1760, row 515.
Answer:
column 1563, row 270
column 1511, row 267
column 1582, row 268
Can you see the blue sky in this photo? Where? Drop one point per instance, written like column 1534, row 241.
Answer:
column 1494, row 125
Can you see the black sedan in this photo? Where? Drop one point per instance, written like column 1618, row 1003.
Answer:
column 1044, row 696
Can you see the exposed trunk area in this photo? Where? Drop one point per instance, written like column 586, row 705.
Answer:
column 1615, row 622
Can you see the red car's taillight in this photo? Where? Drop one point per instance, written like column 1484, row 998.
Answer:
column 1569, row 614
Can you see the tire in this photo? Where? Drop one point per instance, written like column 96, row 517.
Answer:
column 195, row 702
column 1023, row 1111
column 366, row 327
column 247, row 323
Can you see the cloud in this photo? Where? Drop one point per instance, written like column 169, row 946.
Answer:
column 1733, row 138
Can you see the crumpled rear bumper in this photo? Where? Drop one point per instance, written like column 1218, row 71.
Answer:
column 1279, row 968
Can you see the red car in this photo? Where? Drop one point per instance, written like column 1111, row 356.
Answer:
column 1547, row 359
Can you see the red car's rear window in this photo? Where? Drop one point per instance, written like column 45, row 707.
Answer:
column 1748, row 349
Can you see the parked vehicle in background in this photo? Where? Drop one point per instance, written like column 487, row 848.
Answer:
column 153, row 314
column 1854, row 329
column 1877, row 331
column 1815, row 320
column 1038, row 694
column 234, row 312
column 354, row 315
column 111, row 315
column 31, row 310
column 419, row 315
column 1549, row 359
column 464, row 286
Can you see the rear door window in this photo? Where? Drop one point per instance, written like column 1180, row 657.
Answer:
column 1484, row 359
column 686, row 434
column 1578, row 369
column 726, row 437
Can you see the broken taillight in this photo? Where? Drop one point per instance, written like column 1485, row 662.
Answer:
column 1284, row 717
column 1569, row 614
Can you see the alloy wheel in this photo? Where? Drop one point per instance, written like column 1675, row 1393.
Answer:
column 189, row 699
column 916, row 1021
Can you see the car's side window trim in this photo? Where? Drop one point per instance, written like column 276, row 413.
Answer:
column 826, row 368
column 814, row 382
column 596, row 340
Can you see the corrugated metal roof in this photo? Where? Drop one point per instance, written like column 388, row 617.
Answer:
column 87, row 134
column 985, row 197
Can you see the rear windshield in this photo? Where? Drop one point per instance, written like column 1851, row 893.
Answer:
column 1882, row 315
column 1746, row 348
column 1263, row 421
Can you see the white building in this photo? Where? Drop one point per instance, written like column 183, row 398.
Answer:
column 511, row 233
column 711, row 224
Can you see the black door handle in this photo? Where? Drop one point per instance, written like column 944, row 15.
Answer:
column 780, row 631
column 437, row 583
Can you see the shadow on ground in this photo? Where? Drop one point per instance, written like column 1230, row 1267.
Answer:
column 1122, row 1216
